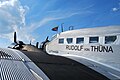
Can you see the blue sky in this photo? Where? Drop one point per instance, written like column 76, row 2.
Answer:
column 34, row 19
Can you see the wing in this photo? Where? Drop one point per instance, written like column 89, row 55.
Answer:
column 14, row 65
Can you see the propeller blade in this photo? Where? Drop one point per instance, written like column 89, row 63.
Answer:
column 30, row 42
column 37, row 44
column 15, row 37
column 47, row 38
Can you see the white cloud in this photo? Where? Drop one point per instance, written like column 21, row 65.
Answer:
column 115, row 9
column 48, row 19
column 7, row 2
column 57, row 15
column 12, row 18
column 11, row 14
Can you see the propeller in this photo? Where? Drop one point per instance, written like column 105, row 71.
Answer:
column 47, row 39
column 30, row 42
column 18, row 44
column 43, row 44
column 37, row 44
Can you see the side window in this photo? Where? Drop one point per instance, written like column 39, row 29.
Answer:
column 93, row 39
column 61, row 41
column 69, row 40
column 79, row 40
column 110, row 39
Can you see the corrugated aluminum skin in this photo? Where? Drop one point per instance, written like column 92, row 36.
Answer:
column 14, row 70
column 14, row 65
column 8, row 54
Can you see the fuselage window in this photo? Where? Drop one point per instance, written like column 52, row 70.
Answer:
column 93, row 39
column 69, row 40
column 110, row 39
column 61, row 41
column 79, row 40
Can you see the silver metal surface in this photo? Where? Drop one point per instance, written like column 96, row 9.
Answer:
column 14, row 65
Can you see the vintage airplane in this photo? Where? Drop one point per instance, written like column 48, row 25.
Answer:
column 69, row 56
column 97, row 48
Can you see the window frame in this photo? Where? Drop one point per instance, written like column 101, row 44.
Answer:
column 92, row 40
column 70, row 42
column 62, row 41
column 80, row 42
column 110, row 42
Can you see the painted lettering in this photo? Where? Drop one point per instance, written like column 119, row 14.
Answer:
column 110, row 49
column 74, row 47
column 92, row 48
column 101, row 49
column 86, row 49
column 51, row 51
column 67, row 47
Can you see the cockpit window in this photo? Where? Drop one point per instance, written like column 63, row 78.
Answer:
column 110, row 39
column 61, row 41
column 69, row 40
column 53, row 37
column 79, row 40
column 93, row 39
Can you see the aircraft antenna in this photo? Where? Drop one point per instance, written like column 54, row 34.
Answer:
column 62, row 27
